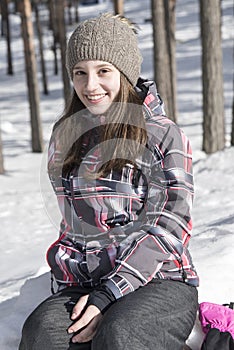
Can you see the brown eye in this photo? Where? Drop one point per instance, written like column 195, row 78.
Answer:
column 79, row 72
column 104, row 71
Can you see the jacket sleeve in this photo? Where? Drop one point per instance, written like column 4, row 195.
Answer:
column 159, row 246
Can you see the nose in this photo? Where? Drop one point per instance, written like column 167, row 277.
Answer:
column 91, row 82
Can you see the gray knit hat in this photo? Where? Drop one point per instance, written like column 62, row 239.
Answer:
column 105, row 38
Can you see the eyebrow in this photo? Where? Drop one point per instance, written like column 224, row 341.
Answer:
column 98, row 66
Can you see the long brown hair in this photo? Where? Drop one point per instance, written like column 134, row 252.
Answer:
column 125, row 123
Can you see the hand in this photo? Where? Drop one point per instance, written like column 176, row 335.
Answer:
column 88, row 322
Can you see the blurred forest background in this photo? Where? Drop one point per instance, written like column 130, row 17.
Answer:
column 54, row 17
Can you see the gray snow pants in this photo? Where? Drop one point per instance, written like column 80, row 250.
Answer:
column 158, row 316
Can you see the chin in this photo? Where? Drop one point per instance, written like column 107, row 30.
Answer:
column 98, row 109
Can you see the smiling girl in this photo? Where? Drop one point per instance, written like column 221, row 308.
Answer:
column 122, row 173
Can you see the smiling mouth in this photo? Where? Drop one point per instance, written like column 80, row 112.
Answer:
column 95, row 97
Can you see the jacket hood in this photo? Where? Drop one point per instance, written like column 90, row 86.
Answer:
column 147, row 91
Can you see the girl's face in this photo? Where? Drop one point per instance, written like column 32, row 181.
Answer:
column 97, row 84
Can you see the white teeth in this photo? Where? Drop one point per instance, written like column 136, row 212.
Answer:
column 96, row 97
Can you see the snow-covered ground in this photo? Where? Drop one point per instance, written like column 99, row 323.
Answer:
column 28, row 214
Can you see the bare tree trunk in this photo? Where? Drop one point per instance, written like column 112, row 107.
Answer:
column 31, row 73
column 119, row 7
column 39, row 32
column 50, row 9
column 69, row 5
column 2, row 21
column 2, row 170
column 53, row 27
column 164, row 54
column 160, row 49
column 6, row 32
column 16, row 6
column 170, row 27
column 77, row 18
column 62, row 42
column 232, row 133
column 212, row 76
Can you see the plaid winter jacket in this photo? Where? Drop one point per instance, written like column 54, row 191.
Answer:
column 120, row 232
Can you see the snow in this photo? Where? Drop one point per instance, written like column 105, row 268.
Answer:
column 28, row 211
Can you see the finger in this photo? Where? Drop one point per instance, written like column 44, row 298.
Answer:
column 89, row 314
column 88, row 332
column 78, row 308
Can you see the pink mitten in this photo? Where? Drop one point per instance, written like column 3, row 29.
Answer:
column 216, row 316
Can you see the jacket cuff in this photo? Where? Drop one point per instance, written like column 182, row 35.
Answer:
column 112, row 286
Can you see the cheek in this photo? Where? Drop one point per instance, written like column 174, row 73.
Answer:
column 77, row 88
column 116, row 86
